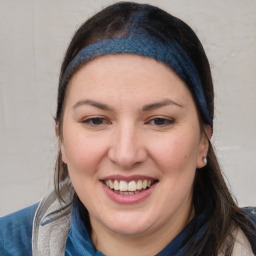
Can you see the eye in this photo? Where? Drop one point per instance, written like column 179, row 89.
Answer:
column 95, row 121
column 161, row 121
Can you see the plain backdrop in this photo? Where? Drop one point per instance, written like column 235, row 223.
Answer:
column 34, row 35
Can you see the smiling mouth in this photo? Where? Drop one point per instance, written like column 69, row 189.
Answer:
column 129, row 188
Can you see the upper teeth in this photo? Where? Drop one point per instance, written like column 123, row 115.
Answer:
column 131, row 186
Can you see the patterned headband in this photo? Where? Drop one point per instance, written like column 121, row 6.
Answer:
column 139, row 41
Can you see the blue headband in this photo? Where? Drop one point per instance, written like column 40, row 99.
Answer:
column 138, row 41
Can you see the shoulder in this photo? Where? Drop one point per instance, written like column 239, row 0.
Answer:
column 242, row 247
column 16, row 232
column 251, row 214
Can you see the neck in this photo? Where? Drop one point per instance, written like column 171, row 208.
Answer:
column 144, row 244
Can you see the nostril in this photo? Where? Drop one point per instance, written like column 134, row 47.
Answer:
column 127, row 159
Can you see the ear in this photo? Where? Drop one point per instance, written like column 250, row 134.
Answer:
column 204, row 146
column 61, row 143
column 57, row 130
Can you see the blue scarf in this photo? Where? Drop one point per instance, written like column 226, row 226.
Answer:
column 79, row 241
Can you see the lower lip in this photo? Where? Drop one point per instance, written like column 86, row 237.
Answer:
column 128, row 199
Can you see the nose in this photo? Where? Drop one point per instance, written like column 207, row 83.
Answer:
column 127, row 148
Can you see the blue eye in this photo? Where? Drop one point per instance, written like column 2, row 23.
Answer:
column 95, row 121
column 160, row 121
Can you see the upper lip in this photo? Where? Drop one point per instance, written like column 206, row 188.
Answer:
column 128, row 178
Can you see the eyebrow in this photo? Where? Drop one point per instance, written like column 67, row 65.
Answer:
column 145, row 108
column 92, row 103
column 160, row 104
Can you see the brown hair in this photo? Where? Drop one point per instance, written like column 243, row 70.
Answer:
column 210, row 190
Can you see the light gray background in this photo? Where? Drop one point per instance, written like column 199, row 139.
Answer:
column 33, row 38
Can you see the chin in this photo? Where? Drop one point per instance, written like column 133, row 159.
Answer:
column 129, row 229
column 129, row 225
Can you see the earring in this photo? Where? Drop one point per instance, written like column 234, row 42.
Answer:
column 205, row 160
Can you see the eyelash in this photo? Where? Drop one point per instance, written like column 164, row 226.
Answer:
column 164, row 122
column 91, row 121
column 156, row 121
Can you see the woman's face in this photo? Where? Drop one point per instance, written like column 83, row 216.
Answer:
column 132, row 143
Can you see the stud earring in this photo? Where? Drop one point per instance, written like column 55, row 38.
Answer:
column 205, row 160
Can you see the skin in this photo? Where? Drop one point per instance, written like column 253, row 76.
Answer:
column 112, row 126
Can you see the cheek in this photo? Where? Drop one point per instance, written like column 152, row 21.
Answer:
column 176, row 153
column 177, row 159
column 83, row 153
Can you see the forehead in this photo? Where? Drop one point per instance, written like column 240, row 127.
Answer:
column 126, row 75
column 124, row 66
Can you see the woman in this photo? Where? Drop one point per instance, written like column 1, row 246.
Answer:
column 136, row 172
